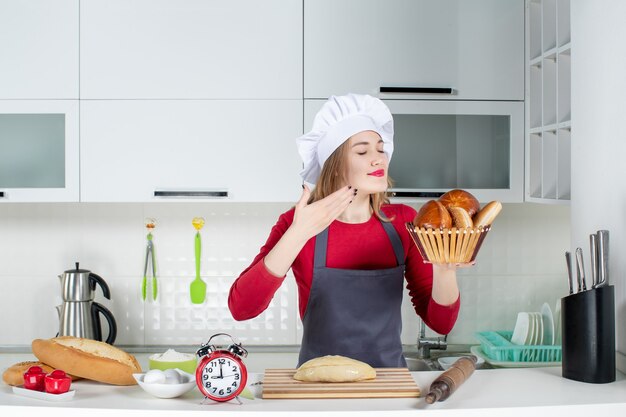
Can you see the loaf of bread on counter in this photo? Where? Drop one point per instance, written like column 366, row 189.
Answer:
column 89, row 359
column 14, row 374
column 334, row 369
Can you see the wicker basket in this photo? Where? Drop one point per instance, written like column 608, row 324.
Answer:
column 448, row 245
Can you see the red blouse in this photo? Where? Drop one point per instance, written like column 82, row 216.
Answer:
column 350, row 246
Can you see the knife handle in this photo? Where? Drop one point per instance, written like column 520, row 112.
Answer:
column 593, row 248
column 603, row 258
column 580, row 270
column 568, row 262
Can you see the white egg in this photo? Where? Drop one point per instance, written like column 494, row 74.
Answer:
column 172, row 377
column 155, row 376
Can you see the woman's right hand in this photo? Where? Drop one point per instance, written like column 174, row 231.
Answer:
column 310, row 219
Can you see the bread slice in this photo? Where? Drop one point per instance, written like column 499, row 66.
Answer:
column 14, row 374
column 334, row 369
column 89, row 359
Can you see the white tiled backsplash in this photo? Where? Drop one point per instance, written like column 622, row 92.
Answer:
column 520, row 266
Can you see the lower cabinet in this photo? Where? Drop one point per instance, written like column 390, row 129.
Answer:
column 205, row 150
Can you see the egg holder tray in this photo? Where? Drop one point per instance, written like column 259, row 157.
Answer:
column 448, row 245
column 497, row 346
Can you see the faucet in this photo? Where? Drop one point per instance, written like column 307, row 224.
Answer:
column 425, row 344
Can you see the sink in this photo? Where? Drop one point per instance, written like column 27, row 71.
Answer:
column 416, row 364
column 422, row 364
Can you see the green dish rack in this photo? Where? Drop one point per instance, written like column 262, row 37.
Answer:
column 497, row 346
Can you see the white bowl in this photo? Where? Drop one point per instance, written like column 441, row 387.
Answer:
column 168, row 390
column 447, row 361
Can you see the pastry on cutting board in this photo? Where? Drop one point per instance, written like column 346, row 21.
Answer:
column 334, row 368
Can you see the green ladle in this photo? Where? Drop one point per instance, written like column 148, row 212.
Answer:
column 197, row 290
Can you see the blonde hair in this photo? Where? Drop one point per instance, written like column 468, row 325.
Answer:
column 334, row 175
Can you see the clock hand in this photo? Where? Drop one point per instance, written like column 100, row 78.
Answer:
column 221, row 374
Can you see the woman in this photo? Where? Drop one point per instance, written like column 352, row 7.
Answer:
column 347, row 246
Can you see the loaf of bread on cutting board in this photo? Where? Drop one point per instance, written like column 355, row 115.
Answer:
column 89, row 359
column 334, row 369
column 14, row 374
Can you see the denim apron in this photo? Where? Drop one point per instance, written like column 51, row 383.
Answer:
column 355, row 313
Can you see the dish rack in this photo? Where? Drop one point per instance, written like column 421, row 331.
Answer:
column 448, row 245
column 497, row 345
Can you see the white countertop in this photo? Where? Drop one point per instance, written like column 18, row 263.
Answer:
column 490, row 392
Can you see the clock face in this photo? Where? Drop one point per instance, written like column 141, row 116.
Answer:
column 222, row 378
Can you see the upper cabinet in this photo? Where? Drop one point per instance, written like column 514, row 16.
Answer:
column 39, row 151
column 39, row 49
column 473, row 48
column 193, row 49
column 548, row 103
column 190, row 150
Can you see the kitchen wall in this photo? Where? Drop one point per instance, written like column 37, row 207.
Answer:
column 520, row 267
column 599, row 139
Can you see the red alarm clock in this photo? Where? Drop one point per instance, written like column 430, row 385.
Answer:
column 221, row 374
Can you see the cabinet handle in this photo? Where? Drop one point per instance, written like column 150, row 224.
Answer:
column 192, row 194
column 419, row 90
column 1, row 194
column 418, row 194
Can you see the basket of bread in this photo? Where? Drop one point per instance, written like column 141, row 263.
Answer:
column 452, row 229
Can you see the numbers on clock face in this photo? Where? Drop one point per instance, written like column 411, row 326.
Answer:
column 221, row 377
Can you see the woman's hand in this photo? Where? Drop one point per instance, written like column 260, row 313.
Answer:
column 453, row 266
column 310, row 219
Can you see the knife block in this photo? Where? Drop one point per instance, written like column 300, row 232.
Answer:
column 588, row 335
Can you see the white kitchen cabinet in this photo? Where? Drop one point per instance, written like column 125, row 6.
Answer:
column 192, row 49
column 548, row 102
column 39, row 49
column 39, row 151
column 476, row 48
column 147, row 150
column 441, row 145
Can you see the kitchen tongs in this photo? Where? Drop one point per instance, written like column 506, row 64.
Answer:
column 150, row 225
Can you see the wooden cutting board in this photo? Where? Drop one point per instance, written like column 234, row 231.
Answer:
column 389, row 383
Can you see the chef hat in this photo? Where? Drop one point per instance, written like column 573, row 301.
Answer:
column 340, row 118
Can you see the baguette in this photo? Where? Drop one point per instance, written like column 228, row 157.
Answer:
column 487, row 215
column 89, row 359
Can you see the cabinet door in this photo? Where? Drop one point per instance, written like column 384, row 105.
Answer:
column 241, row 49
column 38, row 150
column 474, row 47
column 39, row 49
column 440, row 145
column 131, row 149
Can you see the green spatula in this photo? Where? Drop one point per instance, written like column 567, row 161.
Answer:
column 197, row 290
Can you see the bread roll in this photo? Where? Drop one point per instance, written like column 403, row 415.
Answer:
column 433, row 215
column 460, row 218
column 14, row 375
column 488, row 213
column 88, row 358
column 460, row 198
column 334, row 369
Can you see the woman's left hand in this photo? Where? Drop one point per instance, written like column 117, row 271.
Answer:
column 454, row 266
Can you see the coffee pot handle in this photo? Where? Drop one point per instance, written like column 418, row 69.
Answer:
column 97, row 309
column 97, row 279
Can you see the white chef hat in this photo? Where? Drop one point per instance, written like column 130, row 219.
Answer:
column 340, row 118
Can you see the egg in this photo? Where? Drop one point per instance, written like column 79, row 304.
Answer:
column 155, row 376
column 172, row 377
